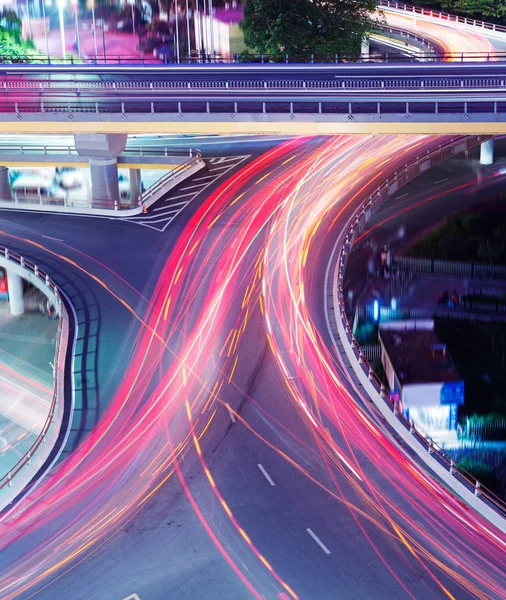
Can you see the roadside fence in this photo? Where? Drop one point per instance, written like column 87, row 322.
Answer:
column 411, row 170
column 454, row 268
column 478, row 311
column 372, row 352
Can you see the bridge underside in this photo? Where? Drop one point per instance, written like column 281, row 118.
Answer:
column 254, row 123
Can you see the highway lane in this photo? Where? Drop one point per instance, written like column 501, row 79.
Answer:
column 33, row 76
column 163, row 551
column 148, row 144
column 102, row 326
column 454, row 37
column 274, row 521
column 296, row 299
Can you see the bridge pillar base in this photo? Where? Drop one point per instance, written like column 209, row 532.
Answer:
column 104, row 183
column 135, row 186
column 365, row 47
column 487, row 152
column 5, row 184
column 16, row 300
column 102, row 150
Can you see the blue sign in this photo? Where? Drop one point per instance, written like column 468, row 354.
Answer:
column 452, row 392
column 453, row 417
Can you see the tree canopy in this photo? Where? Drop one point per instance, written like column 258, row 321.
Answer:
column 477, row 8
column 494, row 10
column 13, row 49
column 306, row 26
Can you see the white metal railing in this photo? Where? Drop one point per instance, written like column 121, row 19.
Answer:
column 63, row 201
column 444, row 16
column 45, row 283
column 411, row 170
column 24, row 196
column 409, row 36
column 223, row 83
column 158, row 188
column 130, row 150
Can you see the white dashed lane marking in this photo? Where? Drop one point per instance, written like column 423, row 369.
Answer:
column 266, row 475
column 318, row 541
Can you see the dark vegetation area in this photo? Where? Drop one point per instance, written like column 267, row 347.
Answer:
column 471, row 237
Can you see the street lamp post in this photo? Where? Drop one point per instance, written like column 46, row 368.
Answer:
column 45, row 26
column 188, row 29
column 29, row 20
column 205, row 32
column 177, row 31
column 94, row 28
column 62, row 29
column 78, row 39
column 132, row 6
column 211, row 20
column 203, row 51
column 103, row 39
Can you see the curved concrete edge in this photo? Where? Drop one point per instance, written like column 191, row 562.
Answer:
column 102, row 212
column 414, row 48
column 49, row 451
column 31, row 278
column 433, row 465
column 499, row 35
column 194, row 168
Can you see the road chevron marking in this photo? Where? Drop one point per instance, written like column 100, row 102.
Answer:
column 132, row 597
column 162, row 216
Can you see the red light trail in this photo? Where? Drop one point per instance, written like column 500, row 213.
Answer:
column 254, row 242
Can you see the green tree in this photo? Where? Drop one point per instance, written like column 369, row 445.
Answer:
column 12, row 49
column 306, row 26
column 477, row 8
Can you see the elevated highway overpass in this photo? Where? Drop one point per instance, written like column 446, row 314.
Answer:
column 304, row 99
column 432, row 522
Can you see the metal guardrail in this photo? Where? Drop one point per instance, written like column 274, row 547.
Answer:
column 129, row 207
column 347, row 106
column 410, row 36
column 59, row 365
column 84, row 90
column 411, row 170
column 436, row 266
column 7, row 62
column 130, row 150
column 483, row 311
column 147, row 197
column 117, row 205
column 444, row 16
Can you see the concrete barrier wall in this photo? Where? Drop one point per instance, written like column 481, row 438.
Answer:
column 483, row 501
column 33, row 462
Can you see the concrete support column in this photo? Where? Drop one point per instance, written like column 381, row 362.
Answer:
column 5, row 184
column 487, row 152
column 135, row 185
column 102, row 150
column 16, row 300
column 104, row 182
column 364, row 48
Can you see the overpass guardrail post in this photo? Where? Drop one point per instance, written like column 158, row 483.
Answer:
column 468, row 484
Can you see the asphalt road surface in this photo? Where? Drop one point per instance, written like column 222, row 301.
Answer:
column 260, row 502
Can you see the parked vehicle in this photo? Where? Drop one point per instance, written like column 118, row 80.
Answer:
column 29, row 187
column 68, row 177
